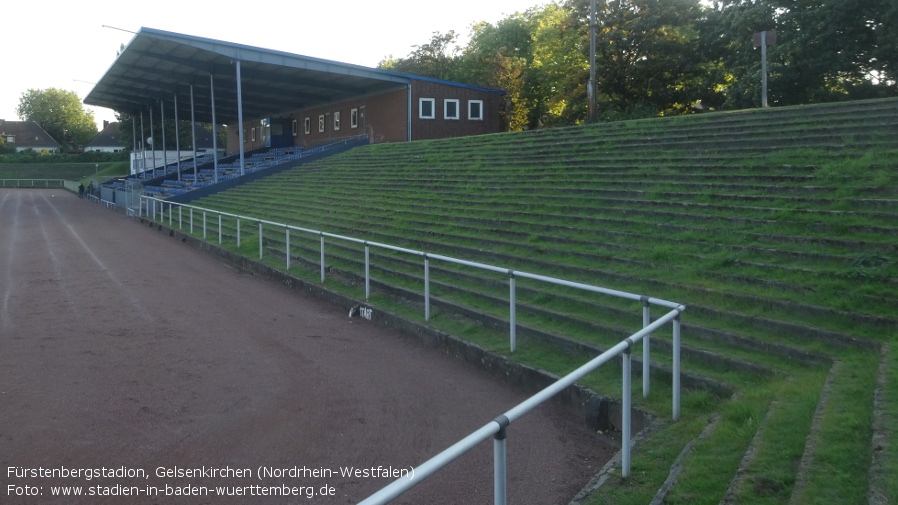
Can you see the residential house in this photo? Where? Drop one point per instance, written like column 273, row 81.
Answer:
column 25, row 135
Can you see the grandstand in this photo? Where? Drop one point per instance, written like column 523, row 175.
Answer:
column 777, row 227
column 169, row 181
column 180, row 181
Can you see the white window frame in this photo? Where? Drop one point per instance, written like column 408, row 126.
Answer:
column 307, row 125
column 337, row 121
column 295, row 127
column 475, row 118
column 354, row 118
column 433, row 108
column 321, row 123
column 254, row 134
column 446, row 103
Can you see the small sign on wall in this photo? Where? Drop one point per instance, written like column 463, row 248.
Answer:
column 361, row 310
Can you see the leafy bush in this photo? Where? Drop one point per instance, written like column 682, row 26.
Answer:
column 31, row 156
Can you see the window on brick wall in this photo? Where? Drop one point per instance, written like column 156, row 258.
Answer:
column 336, row 121
column 475, row 110
column 450, row 108
column 254, row 134
column 295, row 128
column 354, row 118
column 321, row 123
column 426, row 108
column 307, row 126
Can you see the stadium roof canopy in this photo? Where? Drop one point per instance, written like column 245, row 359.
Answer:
column 157, row 65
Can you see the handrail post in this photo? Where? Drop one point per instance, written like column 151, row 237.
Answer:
column 322, row 258
column 676, row 368
column 625, row 413
column 426, row 288
column 204, row 224
column 287, row 228
column 512, row 308
column 499, row 462
column 191, row 220
column 646, row 365
column 219, row 228
column 260, row 240
column 180, row 217
column 367, row 271
column 238, row 233
column 171, row 212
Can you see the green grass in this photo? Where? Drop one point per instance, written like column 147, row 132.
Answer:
column 782, row 247
column 887, row 448
column 78, row 172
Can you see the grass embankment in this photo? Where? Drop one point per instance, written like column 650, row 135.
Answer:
column 78, row 172
column 782, row 247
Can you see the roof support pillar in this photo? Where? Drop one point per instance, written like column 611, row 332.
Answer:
column 409, row 121
column 177, row 136
column 240, row 118
column 214, row 129
column 134, row 170
column 193, row 133
column 153, row 143
column 164, row 147
column 143, row 147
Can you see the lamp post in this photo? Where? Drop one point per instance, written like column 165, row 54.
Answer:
column 764, row 39
column 591, row 87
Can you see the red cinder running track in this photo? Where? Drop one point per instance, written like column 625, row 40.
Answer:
column 128, row 360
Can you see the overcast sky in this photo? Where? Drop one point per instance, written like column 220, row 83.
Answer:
column 62, row 43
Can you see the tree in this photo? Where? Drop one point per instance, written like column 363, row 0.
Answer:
column 129, row 125
column 59, row 113
column 885, row 27
column 826, row 50
column 498, row 56
column 559, row 68
column 647, row 56
column 434, row 59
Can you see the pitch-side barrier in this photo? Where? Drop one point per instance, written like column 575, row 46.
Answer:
column 161, row 210
column 38, row 183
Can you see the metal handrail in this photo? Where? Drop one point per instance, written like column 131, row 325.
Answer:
column 497, row 427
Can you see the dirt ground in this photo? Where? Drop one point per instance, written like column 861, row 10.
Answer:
column 123, row 352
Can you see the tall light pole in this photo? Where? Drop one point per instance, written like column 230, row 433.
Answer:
column 591, row 89
column 764, row 39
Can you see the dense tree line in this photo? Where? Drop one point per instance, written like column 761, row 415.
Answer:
column 664, row 57
column 181, row 136
column 60, row 113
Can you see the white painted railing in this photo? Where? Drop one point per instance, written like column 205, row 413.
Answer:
column 156, row 209
column 36, row 183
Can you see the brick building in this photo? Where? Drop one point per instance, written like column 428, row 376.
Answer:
column 283, row 99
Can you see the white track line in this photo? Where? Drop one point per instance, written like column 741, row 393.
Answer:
column 10, row 240
column 125, row 290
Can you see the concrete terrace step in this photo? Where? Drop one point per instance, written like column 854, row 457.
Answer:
column 348, row 255
column 701, row 209
column 765, row 199
column 818, row 222
column 451, row 246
